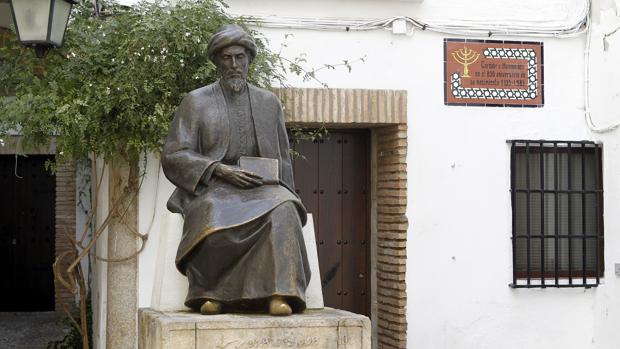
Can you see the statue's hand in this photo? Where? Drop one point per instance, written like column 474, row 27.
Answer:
column 238, row 177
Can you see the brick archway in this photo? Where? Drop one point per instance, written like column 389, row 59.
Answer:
column 384, row 112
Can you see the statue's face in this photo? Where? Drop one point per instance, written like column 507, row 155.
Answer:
column 233, row 62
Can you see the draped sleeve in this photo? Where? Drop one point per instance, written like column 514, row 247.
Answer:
column 182, row 162
column 286, row 171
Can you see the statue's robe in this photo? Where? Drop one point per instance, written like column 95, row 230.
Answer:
column 239, row 246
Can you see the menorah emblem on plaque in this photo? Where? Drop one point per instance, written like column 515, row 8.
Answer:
column 465, row 56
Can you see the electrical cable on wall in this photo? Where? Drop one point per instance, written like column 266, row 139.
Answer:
column 444, row 26
column 587, row 111
column 159, row 170
column 458, row 27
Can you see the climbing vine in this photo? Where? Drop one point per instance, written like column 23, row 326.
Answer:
column 113, row 87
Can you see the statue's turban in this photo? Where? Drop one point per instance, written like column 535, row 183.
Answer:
column 228, row 35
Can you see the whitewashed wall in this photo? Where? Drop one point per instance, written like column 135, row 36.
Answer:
column 459, row 249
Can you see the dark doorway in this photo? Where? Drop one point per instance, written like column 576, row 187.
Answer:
column 27, row 223
column 332, row 178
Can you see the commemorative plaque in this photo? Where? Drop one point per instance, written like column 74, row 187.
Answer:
column 493, row 73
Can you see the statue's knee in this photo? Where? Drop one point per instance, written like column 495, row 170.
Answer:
column 285, row 209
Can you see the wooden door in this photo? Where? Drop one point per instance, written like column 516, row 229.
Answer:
column 332, row 179
column 27, row 223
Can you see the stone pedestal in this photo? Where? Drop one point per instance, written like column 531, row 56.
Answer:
column 322, row 329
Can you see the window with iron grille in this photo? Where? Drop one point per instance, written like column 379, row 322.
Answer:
column 557, row 214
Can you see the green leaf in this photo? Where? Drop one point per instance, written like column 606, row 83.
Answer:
column 113, row 87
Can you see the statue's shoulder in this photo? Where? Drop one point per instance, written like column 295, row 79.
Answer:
column 204, row 92
column 264, row 94
column 201, row 98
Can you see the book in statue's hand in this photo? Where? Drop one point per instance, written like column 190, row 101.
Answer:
column 265, row 167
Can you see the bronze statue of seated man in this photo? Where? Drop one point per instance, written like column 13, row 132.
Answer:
column 242, row 247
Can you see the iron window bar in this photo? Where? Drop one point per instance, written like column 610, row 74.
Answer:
column 574, row 167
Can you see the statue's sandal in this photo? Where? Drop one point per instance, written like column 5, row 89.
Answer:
column 211, row 308
column 279, row 307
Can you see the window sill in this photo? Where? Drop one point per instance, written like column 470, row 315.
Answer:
column 561, row 283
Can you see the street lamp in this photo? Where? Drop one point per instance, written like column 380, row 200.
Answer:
column 41, row 23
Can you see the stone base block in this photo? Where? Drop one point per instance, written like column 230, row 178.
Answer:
column 322, row 329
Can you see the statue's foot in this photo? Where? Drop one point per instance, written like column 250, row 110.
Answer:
column 279, row 307
column 211, row 308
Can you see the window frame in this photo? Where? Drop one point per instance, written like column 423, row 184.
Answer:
column 542, row 278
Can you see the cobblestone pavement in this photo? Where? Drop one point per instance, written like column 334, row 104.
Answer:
column 30, row 330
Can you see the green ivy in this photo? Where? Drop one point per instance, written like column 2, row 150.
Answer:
column 114, row 85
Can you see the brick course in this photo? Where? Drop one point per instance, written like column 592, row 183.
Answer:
column 65, row 224
column 392, row 227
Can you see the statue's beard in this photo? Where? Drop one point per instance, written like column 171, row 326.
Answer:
column 234, row 84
